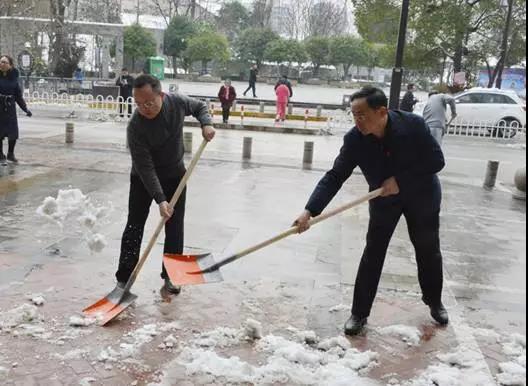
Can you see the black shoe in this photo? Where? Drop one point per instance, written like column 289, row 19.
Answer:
column 354, row 325
column 171, row 288
column 121, row 284
column 439, row 313
column 11, row 157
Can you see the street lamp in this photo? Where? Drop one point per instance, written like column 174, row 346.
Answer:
column 505, row 4
column 397, row 72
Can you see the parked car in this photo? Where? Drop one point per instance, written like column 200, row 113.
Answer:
column 501, row 112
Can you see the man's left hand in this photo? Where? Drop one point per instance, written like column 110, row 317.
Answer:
column 208, row 133
column 390, row 187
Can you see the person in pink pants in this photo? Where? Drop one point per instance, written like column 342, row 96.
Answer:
column 283, row 95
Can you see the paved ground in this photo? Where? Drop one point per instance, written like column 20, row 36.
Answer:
column 305, row 282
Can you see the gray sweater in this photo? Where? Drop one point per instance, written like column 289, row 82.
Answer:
column 156, row 145
column 435, row 110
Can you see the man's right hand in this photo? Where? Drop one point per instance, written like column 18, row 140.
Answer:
column 303, row 221
column 165, row 210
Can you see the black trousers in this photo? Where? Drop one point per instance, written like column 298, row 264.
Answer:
column 226, row 112
column 252, row 86
column 422, row 213
column 138, row 210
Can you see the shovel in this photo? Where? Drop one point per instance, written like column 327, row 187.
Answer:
column 185, row 270
column 119, row 299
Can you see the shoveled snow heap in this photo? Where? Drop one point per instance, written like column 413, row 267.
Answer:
column 333, row 362
column 73, row 204
column 513, row 373
column 11, row 319
column 410, row 335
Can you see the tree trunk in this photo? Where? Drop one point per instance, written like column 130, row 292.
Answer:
column 346, row 69
column 444, row 64
column 459, row 51
column 175, row 66
column 204, row 67
column 316, row 70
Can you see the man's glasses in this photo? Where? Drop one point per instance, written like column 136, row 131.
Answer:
column 146, row 105
column 4, row 62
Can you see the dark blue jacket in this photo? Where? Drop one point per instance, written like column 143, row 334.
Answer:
column 408, row 152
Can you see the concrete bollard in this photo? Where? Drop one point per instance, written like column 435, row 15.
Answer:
column 70, row 128
column 242, row 110
column 212, row 110
column 248, row 147
column 308, row 153
column 491, row 174
column 520, row 184
column 208, row 103
column 290, row 109
column 319, row 111
column 306, row 114
column 262, row 107
column 188, row 142
column 234, row 107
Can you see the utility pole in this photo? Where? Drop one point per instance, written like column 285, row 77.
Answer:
column 397, row 72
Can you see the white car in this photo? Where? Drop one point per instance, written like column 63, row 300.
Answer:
column 497, row 110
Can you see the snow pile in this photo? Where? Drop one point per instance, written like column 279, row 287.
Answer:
column 87, row 381
column 409, row 335
column 13, row 318
column 36, row 299
column 332, row 363
column 307, row 337
column 513, row 373
column 460, row 368
column 73, row 204
column 81, row 321
column 3, row 371
column 134, row 340
column 227, row 337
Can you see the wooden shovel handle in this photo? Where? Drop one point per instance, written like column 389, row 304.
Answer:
column 313, row 221
column 161, row 224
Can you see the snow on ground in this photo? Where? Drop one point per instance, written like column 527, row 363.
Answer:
column 410, row 335
column 36, row 299
column 11, row 319
column 73, row 204
column 460, row 368
column 339, row 308
column 333, row 362
column 513, row 373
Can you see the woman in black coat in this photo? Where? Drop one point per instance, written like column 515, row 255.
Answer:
column 10, row 95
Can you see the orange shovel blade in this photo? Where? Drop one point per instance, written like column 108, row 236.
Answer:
column 179, row 267
column 110, row 306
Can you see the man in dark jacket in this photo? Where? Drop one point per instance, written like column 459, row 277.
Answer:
column 395, row 151
column 125, row 83
column 284, row 80
column 409, row 101
column 227, row 96
column 155, row 137
column 253, row 73
column 10, row 96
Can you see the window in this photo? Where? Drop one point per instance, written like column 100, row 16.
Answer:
column 498, row 99
column 470, row 98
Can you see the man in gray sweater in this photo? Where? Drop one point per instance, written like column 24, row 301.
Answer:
column 155, row 138
column 434, row 113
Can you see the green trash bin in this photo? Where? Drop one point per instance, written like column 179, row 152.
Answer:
column 156, row 67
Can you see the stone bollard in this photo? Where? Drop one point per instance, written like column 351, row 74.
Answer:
column 308, row 153
column 520, row 184
column 319, row 111
column 262, row 107
column 290, row 109
column 306, row 115
column 248, row 147
column 234, row 107
column 208, row 103
column 491, row 174
column 242, row 112
column 188, row 142
column 70, row 127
